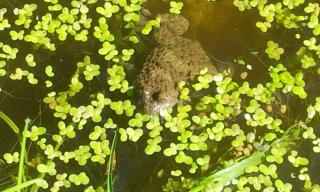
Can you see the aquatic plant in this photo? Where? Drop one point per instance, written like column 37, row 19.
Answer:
column 237, row 136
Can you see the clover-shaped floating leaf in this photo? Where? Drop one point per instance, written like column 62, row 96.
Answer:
column 51, row 152
column 109, row 124
column 123, row 134
column 138, row 120
column 3, row 72
column 91, row 71
column 80, row 179
column 239, row 141
column 49, row 71
column 217, row 132
column 108, row 10
column 126, row 54
column 82, row 36
column 31, row 79
column 172, row 150
column 316, row 30
column 101, row 150
column 311, row 44
column 61, row 181
column 35, row 132
column 307, row 62
column 131, row 134
column 203, row 160
column 153, row 122
column 292, row 3
column 133, row 39
column 276, row 155
column 204, row 81
column 184, row 136
column 117, row 107
column 193, row 168
column 270, row 136
column 134, row 134
column 42, row 183
column 82, row 155
column 268, row 12
column 251, row 169
column 4, row 23
column 42, row 143
column 183, row 111
column 175, row 7
column 176, row 125
column 123, row 106
column 285, row 187
column 184, row 93
column 67, row 156
column 98, row 131
column 66, row 130
column 11, row 158
column 176, row 173
column 17, row 35
column 62, row 32
column 25, row 15
column 149, row 26
column 30, row 60
column 116, row 79
column 57, row 138
column 316, row 145
column 9, row 52
column 297, row 161
column 131, row 17
column 242, row 5
column 49, row 168
column 153, row 146
column 198, row 142
column 102, row 32
column 300, row 92
column 311, row 112
column 40, row 38
column 273, row 50
column 269, row 170
column 263, row 26
column 183, row 158
column 313, row 21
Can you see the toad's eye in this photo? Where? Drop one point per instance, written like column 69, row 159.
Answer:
column 156, row 95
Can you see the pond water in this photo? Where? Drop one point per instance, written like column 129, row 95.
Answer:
column 225, row 34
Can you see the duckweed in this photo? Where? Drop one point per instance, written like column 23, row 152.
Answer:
column 237, row 134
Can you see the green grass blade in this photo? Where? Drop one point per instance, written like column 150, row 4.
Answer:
column 224, row 176
column 110, row 163
column 22, row 152
column 21, row 186
column 11, row 124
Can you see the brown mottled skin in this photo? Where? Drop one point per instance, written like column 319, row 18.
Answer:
column 174, row 59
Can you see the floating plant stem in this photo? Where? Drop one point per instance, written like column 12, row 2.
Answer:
column 110, row 164
column 22, row 185
column 23, row 152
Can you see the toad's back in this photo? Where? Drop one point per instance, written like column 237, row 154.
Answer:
column 173, row 60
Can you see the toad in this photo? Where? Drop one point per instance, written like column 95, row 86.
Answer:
column 174, row 59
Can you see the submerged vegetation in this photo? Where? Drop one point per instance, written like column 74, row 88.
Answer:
column 225, row 134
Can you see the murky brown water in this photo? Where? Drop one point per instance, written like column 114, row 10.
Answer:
column 224, row 32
